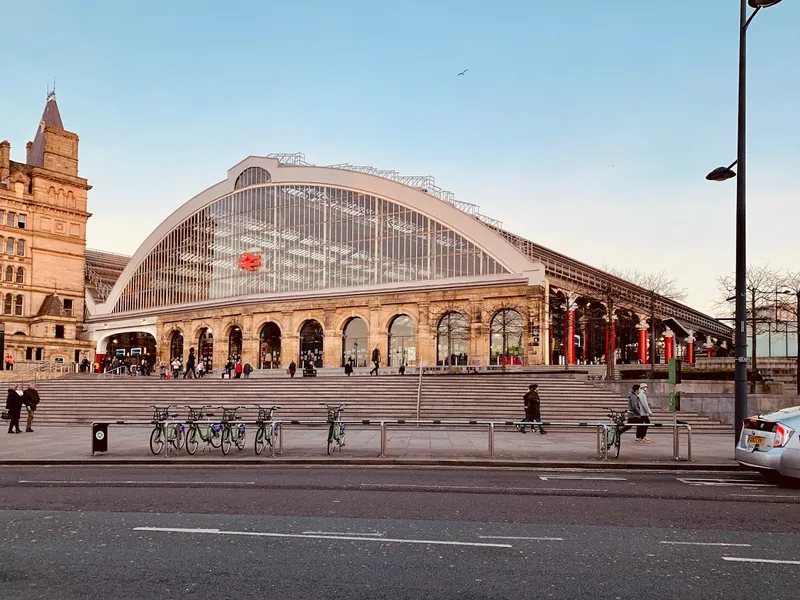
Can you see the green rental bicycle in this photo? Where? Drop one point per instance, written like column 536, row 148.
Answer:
column 336, row 429
column 208, row 432
column 614, row 434
column 268, row 431
column 232, row 432
column 171, row 434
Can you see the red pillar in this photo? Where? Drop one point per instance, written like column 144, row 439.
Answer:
column 643, row 344
column 690, row 351
column 710, row 352
column 570, row 345
column 614, row 341
column 669, row 347
column 587, row 343
column 607, row 346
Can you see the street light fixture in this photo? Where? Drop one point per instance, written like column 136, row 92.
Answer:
column 723, row 174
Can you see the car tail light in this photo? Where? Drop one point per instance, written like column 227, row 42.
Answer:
column 782, row 435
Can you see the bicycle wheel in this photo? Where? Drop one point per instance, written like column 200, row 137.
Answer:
column 215, row 437
column 272, row 439
column 191, row 441
column 617, row 444
column 240, row 439
column 259, row 443
column 176, row 437
column 156, row 440
column 330, row 438
column 226, row 440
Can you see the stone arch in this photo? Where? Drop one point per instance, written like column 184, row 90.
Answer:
column 61, row 196
column 269, row 345
column 70, row 200
column 399, row 311
column 342, row 321
column 402, row 343
column 507, row 337
column 452, row 338
column 312, row 316
column 355, row 341
column 312, row 334
column 51, row 195
column 264, row 319
column 198, row 329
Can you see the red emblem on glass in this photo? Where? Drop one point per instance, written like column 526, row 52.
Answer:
column 249, row 261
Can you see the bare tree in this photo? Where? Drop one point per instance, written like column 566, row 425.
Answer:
column 611, row 296
column 791, row 282
column 656, row 284
column 760, row 286
column 506, row 320
column 452, row 329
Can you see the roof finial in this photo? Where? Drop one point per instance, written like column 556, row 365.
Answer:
column 51, row 92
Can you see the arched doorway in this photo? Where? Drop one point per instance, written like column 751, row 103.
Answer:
column 355, row 339
column 176, row 346
column 269, row 342
column 135, row 346
column 311, row 343
column 235, row 343
column 505, row 338
column 452, row 335
column 205, row 345
column 402, row 342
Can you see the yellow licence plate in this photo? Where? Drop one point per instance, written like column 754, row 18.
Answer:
column 756, row 440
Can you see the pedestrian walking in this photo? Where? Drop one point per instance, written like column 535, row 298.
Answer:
column 248, row 368
column 644, row 412
column 176, row 367
column 31, row 399
column 376, row 360
column 14, row 402
column 9, row 362
column 238, row 369
column 292, row 369
column 190, row 365
column 162, row 370
column 533, row 409
column 201, row 368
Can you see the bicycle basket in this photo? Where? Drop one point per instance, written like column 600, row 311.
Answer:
column 195, row 414
column 160, row 414
column 264, row 414
column 228, row 414
column 332, row 414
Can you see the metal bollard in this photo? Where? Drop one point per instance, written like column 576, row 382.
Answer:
column 491, row 440
column 605, row 437
column 280, row 440
column 599, row 450
column 689, row 442
column 383, row 439
column 166, row 439
column 272, row 445
column 676, row 444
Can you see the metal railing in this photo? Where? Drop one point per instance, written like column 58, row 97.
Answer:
column 37, row 372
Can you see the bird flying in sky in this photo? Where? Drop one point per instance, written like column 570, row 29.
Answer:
column 462, row 72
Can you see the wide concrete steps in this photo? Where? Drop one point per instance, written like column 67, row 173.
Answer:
column 457, row 397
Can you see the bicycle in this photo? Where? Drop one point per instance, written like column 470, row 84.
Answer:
column 614, row 434
column 267, row 432
column 161, row 433
column 231, row 434
column 336, row 429
column 210, row 434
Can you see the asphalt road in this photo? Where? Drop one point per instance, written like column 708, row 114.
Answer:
column 247, row 532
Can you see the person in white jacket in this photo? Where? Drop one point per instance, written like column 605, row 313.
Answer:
column 644, row 413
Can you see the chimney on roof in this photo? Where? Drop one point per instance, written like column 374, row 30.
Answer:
column 5, row 160
column 28, row 147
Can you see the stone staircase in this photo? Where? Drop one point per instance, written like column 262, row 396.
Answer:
column 463, row 396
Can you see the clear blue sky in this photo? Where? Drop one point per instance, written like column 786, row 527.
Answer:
column 586, row 126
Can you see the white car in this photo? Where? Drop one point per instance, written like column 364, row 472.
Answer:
column 771, row 443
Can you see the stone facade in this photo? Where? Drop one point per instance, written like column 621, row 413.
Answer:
column 43, row 238
column 479, row 304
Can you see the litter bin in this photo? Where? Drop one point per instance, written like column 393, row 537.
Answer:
column 99, row 437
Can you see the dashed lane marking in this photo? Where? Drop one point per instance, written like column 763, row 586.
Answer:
column 361, row 533
column 459, row 488
column 510, row 537
column 344, row 538
column 743, row 483
column 705, row 544
column 579, row 478
column 769, row 561
column 132, row 482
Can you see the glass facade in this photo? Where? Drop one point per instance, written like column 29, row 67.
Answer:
column 505, row 343
column 452, row 340
column 402, row 342
column 273, row 238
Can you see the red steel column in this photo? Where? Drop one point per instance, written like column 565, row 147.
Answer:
column 642, row 343
column 587, row 342
column 571, row 336
column 690, row 350
column 669, row 345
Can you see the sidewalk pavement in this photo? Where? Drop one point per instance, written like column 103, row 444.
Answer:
column 407, row 445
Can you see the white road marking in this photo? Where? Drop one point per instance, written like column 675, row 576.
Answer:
column 706, row 544
column 510, row 537
column 762, row 496
column 745, row 483
column 498, row 490
column 372, row 533
column 579, row 478
column 135, row 482
column 345, row 538
column 769, row 561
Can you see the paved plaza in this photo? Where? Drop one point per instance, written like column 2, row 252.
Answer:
column 407, row 444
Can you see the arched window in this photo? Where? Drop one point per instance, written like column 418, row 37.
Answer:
column 311, row 337
column 452, row 339
column 269, row 339
column 402, row 342
column 10, row 245
column 235, row 344
column 9, row 273
column 505, row 338
column 205, row 347
column 355, row 339
column 20, row 275
column 20, row 247
column 252, row 176
column 176, row 346
column 8, row 304
column 18, row 306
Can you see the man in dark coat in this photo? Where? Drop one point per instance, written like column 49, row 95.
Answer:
column 533, row 408
column 31, row 399
column 376, row 360
column 14, row 407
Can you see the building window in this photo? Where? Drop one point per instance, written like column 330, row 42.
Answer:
column 68, row 306
column 39, row 353
column 20, row 275
column 20, row 247
column 9, row 245
column 12, row 219
column 18, row 306
column 2, row 216
column 29, row 353
column 9, row 273
column 60, row 331
column 21, row 221
column 8, row 304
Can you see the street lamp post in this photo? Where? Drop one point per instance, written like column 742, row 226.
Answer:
column 722, row 174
